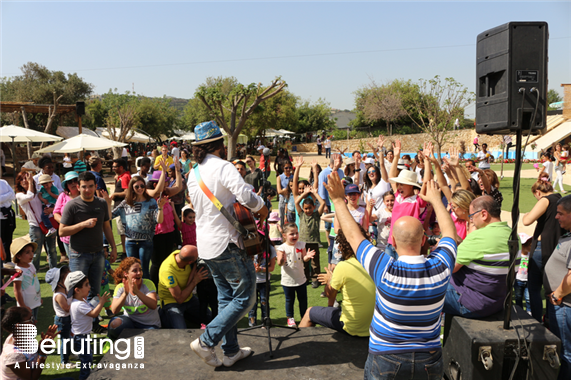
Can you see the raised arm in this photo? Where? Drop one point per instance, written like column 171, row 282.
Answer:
column 394, row 170
column 445, row 222
column 454, row 163
column 427, row 151
column 298, row 165
column 440, row 178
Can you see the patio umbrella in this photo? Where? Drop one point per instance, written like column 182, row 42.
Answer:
column 15, row 134
column 81, row 142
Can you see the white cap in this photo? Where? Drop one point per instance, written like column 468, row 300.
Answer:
column 369, row 160
column 261, row 147
column 523, row 237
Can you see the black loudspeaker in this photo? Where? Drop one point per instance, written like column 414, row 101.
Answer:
column 80, row 108
column 483, row 350
column 511, row 69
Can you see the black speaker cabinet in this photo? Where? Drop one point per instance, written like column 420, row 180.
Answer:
column 80, row 108
column 483, row 350
column 511, row 69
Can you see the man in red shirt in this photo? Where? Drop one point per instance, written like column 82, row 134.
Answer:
column 122, row 178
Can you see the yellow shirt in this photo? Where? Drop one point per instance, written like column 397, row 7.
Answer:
column 170, row 276
column 169, row 161
column 358, row 290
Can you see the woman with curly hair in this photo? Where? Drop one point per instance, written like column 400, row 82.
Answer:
column 136, row 296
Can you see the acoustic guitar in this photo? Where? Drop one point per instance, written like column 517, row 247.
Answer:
column 253, row 241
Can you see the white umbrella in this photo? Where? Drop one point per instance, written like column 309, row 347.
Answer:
column 286, row 132
column 81, row 142
column 12, row 133
column 15, row 134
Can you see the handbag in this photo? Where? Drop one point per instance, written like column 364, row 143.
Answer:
column 41, row 224
column 246, row 225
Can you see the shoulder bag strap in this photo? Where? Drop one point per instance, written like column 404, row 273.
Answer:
column 241, row 229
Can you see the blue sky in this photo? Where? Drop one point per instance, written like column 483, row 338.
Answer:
column 322, row 49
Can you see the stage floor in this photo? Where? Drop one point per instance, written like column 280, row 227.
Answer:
column 310, row 353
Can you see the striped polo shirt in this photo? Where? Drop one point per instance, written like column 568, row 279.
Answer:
column 486, row 259
column 409, row 297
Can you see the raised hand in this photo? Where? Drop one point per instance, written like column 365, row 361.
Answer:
column 314, row 163
column 104, row 194
column 397, row 148
column 310, row 253
column 381, row 141
column 104, row 297
column 299, row 161
column 163, row 165
column 454, row 159
column 337, row 161
column 432, row 193
column 335, row 187
column 428, row 150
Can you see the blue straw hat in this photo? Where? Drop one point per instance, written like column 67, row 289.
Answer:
column 69, row 176
column 207, row 132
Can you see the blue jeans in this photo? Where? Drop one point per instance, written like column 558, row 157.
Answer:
column 126, row 323
column 560, row 325
column 408, row 365
column 66, row 247
column 535, row 283
column 261, row 290
column 521, row 292
column 64, row 328
column 327, row 152
column 235, row 277
column 79, row 342
column 46, row 218
column 290, row 292
column 142, row 250
column 390, row 250
column 49, row 243
column 92, row 265
column 175, row 313
column 453, row 306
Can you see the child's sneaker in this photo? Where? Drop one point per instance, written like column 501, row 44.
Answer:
column 291, row 322
column 51, row 232
column 252, row 322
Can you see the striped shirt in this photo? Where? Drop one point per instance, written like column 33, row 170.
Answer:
column 486, row 259
column 409, row 297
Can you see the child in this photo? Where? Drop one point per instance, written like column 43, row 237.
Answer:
column 407, row 203
column 61, row 303
column 564, row 157
column 48, row 195
column 260, row 264
column 188, row 227
column 309, row 221
column 26, row 286
column 546, row 166
column 520, row 286
column 290, row 206
column 291, row 256
column 105, row 283
column 82, row 315
column 383, row 216
column 274, row 228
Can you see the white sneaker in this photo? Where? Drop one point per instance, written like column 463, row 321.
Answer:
column 291, row 322
column 243, row 353
column 207, row 354
column 51, row 232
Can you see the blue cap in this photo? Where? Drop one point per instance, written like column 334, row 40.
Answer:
column 207, row 132
column 352, row 189
column 69, row 176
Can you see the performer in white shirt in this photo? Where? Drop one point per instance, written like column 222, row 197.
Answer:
column 219, row 245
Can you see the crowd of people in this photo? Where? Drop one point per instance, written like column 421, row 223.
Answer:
column 409, row 237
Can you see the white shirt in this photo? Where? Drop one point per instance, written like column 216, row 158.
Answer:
column 80, row 322
column 30, row 165
column 124, row 153
column 6, row 196
column 484, row 164
column 377, row 193
column 67, row 162
column 32, row 206
column 292, row 270
column 213, row 231
column 30, row 286
column 55, row 178
column 57, row 308
column 549, row 168
column 175, row 152
column 327, row 143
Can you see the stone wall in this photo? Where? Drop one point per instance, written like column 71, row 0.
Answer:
column 411, row 143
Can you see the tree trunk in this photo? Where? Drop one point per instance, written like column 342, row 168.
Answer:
column 439, row 151
column 28, row 145
column 232, row 138
column 117, row 152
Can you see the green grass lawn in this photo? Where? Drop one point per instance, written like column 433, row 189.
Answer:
column 526, row 198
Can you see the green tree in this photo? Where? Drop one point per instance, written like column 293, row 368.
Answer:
column 442, row 101
column 194, row 113
column 278, row 112
column 314, row 117
column 231, row 103
column 40, row 85
column 553, row 97
column 157, row 117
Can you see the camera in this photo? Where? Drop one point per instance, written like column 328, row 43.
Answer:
column 432, row 240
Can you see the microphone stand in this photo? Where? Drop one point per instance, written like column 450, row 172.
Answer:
column 267, row 321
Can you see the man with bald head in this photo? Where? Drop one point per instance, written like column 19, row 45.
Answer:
column 178, row 276
column 405, row 331
column 478, row 287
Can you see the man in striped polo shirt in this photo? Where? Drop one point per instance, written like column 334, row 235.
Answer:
column 405, row 331
column 478, row 287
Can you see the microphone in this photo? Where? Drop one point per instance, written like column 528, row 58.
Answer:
column 266, row 152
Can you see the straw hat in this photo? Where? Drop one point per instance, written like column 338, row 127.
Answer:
column 406, row 177
column 19, row 244
column 45, row 178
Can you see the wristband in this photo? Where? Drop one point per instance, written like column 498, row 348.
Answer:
column 555, row 299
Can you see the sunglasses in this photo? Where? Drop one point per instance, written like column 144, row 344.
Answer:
column 137, row 187
column 288, row 168
column 371, row 172
column 73, row 180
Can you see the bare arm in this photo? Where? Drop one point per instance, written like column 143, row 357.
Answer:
column 94, row 313
column 111, row 240
column 298, row 165
column 177, row 188
column 195, row 277
column 485, row 182
column 281, row 256
column 444, row 220
column 536, row 212
column 440, row 178
column 394, row 170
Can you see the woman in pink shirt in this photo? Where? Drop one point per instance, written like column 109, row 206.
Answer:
column 70, row 190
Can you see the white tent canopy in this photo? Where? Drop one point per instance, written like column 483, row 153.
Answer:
column 13, row 133
column 81, row 142
column 132, row 136
column 68, row 132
